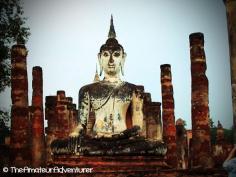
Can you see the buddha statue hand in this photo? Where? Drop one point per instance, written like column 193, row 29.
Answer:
column 76, row 132
column 74, row 138
column 137, row 108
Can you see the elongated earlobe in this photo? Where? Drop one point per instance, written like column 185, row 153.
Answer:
column 100, row 64
column 101, row 70
column 121, row 69
column 122, row 64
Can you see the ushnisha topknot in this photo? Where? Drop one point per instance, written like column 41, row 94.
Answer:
column 111, row 43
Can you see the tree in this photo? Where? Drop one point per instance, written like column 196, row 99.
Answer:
column 211, row 123
column 13, row 30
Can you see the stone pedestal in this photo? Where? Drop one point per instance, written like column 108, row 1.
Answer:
column 113, row 166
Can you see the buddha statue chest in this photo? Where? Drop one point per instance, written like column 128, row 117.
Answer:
column 110, row 103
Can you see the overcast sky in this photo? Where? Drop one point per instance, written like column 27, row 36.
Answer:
column 66, row 36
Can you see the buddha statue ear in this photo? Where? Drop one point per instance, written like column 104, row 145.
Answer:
column 122, row 64
column 100, row 64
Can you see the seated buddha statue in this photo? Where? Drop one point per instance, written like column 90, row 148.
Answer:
column 110, row 100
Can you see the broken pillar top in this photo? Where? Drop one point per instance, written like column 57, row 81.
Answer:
column 61, row 94
column 147, row 97
column 69, row 99
column 155, row 104
column 196, row 39
column 165, row 70
column 179, row 122
column 140, row 87
column 50, row 101
column 19, row 50
column 37, row 68
column 37, row 73
column 165, row 66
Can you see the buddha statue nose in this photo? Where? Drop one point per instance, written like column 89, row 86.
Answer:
column 111, row 60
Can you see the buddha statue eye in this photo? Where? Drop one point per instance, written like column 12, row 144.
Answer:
column 117, row 54
column 105, row 54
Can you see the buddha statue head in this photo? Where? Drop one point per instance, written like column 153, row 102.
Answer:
column 111, row 56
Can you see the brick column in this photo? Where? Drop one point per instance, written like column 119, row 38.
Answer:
column 231, row 19
column 146, row 112
column 20, row 124
column 220, row 139
column 200, row 110
column 181, row 145
column 38, row 139
column 50, row 116
column 153, row 121
column 62, row 117
column 65, row 115
column 168, row 117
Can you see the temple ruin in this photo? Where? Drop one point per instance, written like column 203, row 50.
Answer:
column 31, row 146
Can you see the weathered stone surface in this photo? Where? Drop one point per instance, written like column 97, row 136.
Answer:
column 168, row 117
column 129, row 166
column 221, row 148
column 114, row 166
column 20, row 124
column 50, row 116
column 201, row 147
column 153, row 121
column 37, row 119
column 181, row 145
column 127, row 143
column 231, row 19
column 61, row 114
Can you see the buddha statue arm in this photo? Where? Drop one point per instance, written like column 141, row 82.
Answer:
column 84, row 107
column 137, row 109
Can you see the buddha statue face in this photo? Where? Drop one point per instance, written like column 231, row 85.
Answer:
column 111, row 58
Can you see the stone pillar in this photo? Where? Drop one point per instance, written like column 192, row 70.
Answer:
column 153, row 121
column 20, row 123
column 50, row 130
column 231, row 19
column 152, row 118
column 73, row 115
column 181, row 145
column 64, row 111
column 168, row 117
column 199, row 101
column 62, row 117
column 147, row 99
column 37, row 121
column 219, row 147
column 220, row 138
